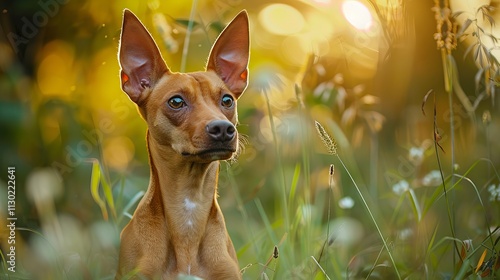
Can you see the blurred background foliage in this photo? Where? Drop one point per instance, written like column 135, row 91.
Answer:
column 360, row 68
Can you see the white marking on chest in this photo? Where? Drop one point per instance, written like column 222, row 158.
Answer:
column 189, row 207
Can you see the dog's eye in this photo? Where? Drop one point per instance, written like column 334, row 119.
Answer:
column 227, row 101
column 176, row 102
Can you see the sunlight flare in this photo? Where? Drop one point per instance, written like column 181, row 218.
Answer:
column 357, row 14
column 281, row 19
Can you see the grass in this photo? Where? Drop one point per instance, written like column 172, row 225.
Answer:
column 295, row 237
column 331, row 145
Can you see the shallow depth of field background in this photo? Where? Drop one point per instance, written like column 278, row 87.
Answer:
column 361, row 69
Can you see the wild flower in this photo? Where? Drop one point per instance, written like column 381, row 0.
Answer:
column 348, row 231
column 432, row 179
column 416, row 155
column 405, row 234
column 494, row 192
column 400, row 187
column 346, row 202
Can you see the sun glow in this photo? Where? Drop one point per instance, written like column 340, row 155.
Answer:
column 281, row 19
column 357, row 14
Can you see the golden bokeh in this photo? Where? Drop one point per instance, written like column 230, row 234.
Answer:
column 55, row 73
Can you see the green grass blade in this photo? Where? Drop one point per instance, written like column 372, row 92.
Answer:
column 293, row 187
column 331, row 145
column 94, row 188
column 265, row 219
column 190, row 24
column 133, row 201
column 438, row 193
column 51, row 246
column 277, row 151
column 320, row 267
column 463, row 270
column 372, row 217
column 108, row 195
column 415, row 205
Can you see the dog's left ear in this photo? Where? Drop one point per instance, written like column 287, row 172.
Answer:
column 230, row 53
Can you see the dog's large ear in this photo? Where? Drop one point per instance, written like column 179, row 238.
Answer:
column 230, row 53
column 140, row 60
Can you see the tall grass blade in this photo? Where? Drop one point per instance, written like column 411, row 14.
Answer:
column 415, row 205
column 241, row 207
column 329, row 209
column 463, row 270
column 481, row 260
column 437, row 138
column 374, row 263
column 328, row 141
column 305, row 143
column 265, row 219
column 190, row 24
column 321, row 268
column 51, row 246
column 438, row 193
column 94, row 188
column 98, row 179
column 284, row 207
column 108, row 195
column 431, row 242
column 295, row 182
column 132, row 202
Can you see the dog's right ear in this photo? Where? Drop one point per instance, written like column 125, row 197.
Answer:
column 230, row 53
column 140, row 59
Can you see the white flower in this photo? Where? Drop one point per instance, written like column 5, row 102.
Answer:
column 405, row 233
column 346, row 202
column 416, row 155
column 400, row 187
column 494, row 192
column 346, row 231
column 432, row 179
column 44, row 185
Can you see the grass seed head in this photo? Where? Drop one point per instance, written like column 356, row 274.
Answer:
column 330, row 144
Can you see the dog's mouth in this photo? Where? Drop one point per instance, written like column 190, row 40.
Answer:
column 212, row 154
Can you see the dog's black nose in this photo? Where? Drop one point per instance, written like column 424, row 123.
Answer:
column 221, row 130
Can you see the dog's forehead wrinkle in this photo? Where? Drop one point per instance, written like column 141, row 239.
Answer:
column 174, row 84
column 206, row 82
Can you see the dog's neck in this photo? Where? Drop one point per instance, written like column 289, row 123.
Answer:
column 187, row 189
column 185, row 192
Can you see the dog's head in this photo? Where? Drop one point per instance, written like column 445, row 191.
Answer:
column 193, row 113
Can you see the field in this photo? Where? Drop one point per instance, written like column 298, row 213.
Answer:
column 369, row 135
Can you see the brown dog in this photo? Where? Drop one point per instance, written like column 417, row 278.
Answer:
column 178, row 227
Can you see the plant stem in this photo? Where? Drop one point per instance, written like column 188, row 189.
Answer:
column 448, row 75
column 280, row 165
column 372, row 218
column 185, row 48
column 373, row 164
